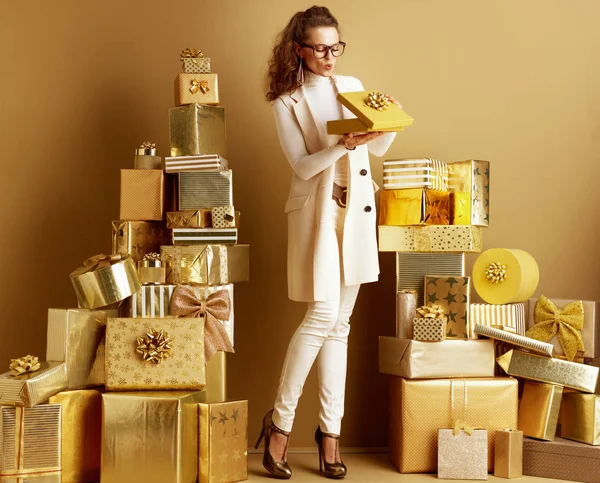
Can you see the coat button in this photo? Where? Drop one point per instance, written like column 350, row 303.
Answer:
column 368, row 209
column 363, row 172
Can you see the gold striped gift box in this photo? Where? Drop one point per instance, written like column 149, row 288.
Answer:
column 415, row 173
column 205, row 189
column 507, row 317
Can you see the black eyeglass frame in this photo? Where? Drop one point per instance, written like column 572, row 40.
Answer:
column 328, row 47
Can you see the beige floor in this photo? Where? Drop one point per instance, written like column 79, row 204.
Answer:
column 363, row 468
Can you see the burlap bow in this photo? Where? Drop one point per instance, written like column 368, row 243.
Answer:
column 216, row 307
column 567, row 322
column 98, row 261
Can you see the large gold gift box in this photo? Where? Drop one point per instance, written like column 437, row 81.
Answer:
column 469, row 183
column 150, row 436
column 432, row 360
column 453, row 294
column 30, row 441
column 31, row 389
column 580, row 418
column 508, row 457
column 539, row 408
column 197, row 129
column 430, row 239
column 193, row 88
column 74, row 337
column 418, row 408
column 138, row 238
column 223, row 442
column 413, row 207
column 142, row 194
column 150, row 354
column 81, row 434
column 462, row 455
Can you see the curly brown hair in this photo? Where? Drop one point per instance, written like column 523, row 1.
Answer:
column 283, row 65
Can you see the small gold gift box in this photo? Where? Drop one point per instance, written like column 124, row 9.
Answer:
column 429, row 329
column 189, row 219
column 33, row 388
column 138, row 238
column 194, row 61
column 413, row 207
column 508, row 457
column 462, row 455
column 196, row 89
column 142, row 194
column 469, row 183
column 223, row 217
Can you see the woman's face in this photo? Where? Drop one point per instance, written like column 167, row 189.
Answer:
column 319, row 36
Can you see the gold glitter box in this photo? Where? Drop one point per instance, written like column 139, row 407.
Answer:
column 431, row 239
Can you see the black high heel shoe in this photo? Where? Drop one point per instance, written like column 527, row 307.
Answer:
column 279, row 469
column 335, row 470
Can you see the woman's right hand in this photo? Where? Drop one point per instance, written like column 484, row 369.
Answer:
column 351, row 140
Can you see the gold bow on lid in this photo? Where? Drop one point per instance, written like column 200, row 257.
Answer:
column 216, row 307
column 377, row 100
column 154, row 346
column 147, row 145
column 431, row 311
column 496, row 272
column 459, row 424
column 98, row 261
column 199, row 85
column 567, row 322
column 151, row 256
column 191, row 54
column 23, row 365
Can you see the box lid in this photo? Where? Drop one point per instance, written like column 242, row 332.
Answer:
column 392, row 117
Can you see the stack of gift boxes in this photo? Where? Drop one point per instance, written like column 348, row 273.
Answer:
column 469, row 380
column 134, row 387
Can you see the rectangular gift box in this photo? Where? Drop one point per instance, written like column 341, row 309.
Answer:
column 216, row 377
column 355, row 125
column 200, row 162
column 31, row 389
column 223, row 429
column 462, row 456
column 223, row 217
column 591, row 326
column 413, row 207
column 431, row 330
column 196, row 88
column 424, row 173
column 539, row 408
column 430, row 239
column 205, row 236
column 390, row 118
column 189, row 219
column 507, row 317
column 30, row 441
column 206, row 264
column 138, row 238
column 411, row 269
column 74, row 337
column 580, row 418
column 406, row 308
column 577, row 376
column 434, row 360
column 528, row 343
column 197, row 129
column 81, row 430
column 34, row 478
column 453, row 294
column 418, row 408
column 469, row 183
column 561, row 459
column 508, row 457
column 126, row 368
column 150, row 436
column 205, row 189
column 142, row 194
column 196, row 65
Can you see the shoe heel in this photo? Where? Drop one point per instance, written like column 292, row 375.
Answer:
column 320, row 460
column 262, row 434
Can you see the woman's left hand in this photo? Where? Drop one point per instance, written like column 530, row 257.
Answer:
column 394, row 101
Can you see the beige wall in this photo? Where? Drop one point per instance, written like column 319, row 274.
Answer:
column 514, row 82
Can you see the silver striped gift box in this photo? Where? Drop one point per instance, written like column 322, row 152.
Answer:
column 508, row 317
column 528, row 343
column 202, row 162
column 205, row 236
column 415, row 173
column 204, row 189
column 411, row 269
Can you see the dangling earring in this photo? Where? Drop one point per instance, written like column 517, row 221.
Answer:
column 300, row 74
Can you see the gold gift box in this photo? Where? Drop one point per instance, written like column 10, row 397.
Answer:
column 196, row 65
column 462, row 456
column 196, row 88
column 204, row 189
column 469, row 183
column 81, row 434
column 538, row 412
column 35, row 478
column 419, row 408
column 189, row 219
column 150, row 436
column 580, row 418
column 206, row 264
column 142, row 194
column 432, row 360
column 30, row 440
column 390, row 119
column 415, row 173
column 31, row 389
column 431, row 239
column 508, row 457
column 507, row 317
column 528, row 343
column 431, row 330
column 197, row 129
column 453, row 294
column 223, row 443
column 406, row 308
column 223, row 217
column 553, row 371
column 138, row 238
column 355, row 125
column 216, row 378
column 413, row 207
column 74, row 337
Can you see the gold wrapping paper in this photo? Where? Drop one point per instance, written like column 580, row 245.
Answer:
column 74, row 337
column 206, row 264
column 223, row 442
column 223, row 217
column 462, row 456
column 469, row 183
column 34, row 388
column 391, row 118
column 196, row 65
column 126, row 369
column 150, row 436
column 508, row 458
column 204, row 189
column 98, row 284
column 189, row 219
column 81, row 434
column 196, row 88
column 580, row 417
column 453, row 294
column 406, row 306
column 431, row 330
column 515, row 339
column 30, row 440
column 553, row 371
column 216, row 378
column 431, row 360
column 413, row 207
column 138, row 238
column 205, row 236
column 197, row 129
column 415, row 173
column 539, row 408
column 35, row 478
column 430, row 239
column 142, row 194
column 152, row 275
column 354, row 125
column 507, row 317
column 418, row 408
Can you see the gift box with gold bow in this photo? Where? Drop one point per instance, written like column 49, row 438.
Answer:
column 413, row 207
column 462, row 453
column 430, row 239
column 429, row 323
column 144, row 194
column 423, row 173
column 570, row 325
column 580, row 418
column 33, row 387
column 196, row 89
column 539, row 409
column 138, row 238
column 507, row 317
column 452, row 294
column 197, row 129
column 469, row 183
column 194, row 61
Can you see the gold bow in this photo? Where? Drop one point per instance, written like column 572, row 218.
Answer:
column 154, row 346
column 147, row 145
column 462, row 425
column 23, row 365
column 431, row 311
column 496, row 272
column 197, row 85
column 437, row 213
column 377, row 100
column 191, row 53
column 567, row 322
column 152, row 256
column 216, row 307
column 98, row 261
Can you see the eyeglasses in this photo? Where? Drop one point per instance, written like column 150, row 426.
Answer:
column 320, row 50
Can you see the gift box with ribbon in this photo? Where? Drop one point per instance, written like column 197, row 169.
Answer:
column 580, row 418
column 205, row 189
column 469, row 183
column 430, row 239
column 196, row 89
column 143, row 194
column 462, row 453
column 539, row 409
column 29, row 382
column 453, row 295
column 422, row 173
column 151, row 270
column 194, row 61
column 429, row 323
column 138, row 238
column 413, row 207
column 508, row 457
column 147, row 157
column 507, row 317
column 197, row 129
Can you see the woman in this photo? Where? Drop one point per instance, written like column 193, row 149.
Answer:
column 332, row 246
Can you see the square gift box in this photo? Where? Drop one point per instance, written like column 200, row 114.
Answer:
column 429, row 329
column 364, row 106
column 462, row 456
column 197, row 129
column 142, row 194
column 138, row 238
column 413, row 207
column 195, row 88
column 205, row 189
column 453, row 294
column 223, row 217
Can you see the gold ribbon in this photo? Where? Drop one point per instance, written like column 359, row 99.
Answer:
column 462, row 425
column 378, row 101
column 566, row 322
column 147, row 145
column 431, row 311
column 155, row 346
column 191, row 54
column 199, row 85
column 496, row 272
column 216, row 307
column 97, row 262
column 23, row 365
column 437, row 213
column 152, row 256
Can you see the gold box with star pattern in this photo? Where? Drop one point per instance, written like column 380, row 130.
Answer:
column 223, row 442
column 469, row 183
column 453, row 294
column 137, row 238
column 413, row 207
column 150, row 354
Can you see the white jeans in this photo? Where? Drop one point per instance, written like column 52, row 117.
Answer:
column 323, row 333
